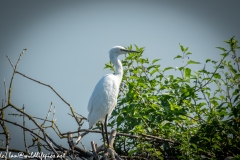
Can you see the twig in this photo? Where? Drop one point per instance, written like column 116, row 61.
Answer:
column 147, row 137
column 79, row 136
column 70, row 141
column 13, row 150
column 50, row 110
column 81, row 116
column 112, row 137
column 6, row 132
column 95, row 155
column 112, row 153
column 30, row 118
column 10, row 62
column 5, row 88
column 201, row 86
column 16, row 124
column 49, row 86
column 83, row 146
column 134, row 157
column 49, row 144
column 15, row 68
column 24, row 132
column 2, row 142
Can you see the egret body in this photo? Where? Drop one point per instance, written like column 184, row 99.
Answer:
column 104, row 97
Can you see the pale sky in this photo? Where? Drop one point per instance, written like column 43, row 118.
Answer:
column 68, row 44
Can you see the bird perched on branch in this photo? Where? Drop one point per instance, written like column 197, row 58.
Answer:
column 104, row 97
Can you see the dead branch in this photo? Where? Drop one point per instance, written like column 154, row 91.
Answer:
column 95, row 155
column 146, row 137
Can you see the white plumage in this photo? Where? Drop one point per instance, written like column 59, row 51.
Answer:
column 104, row 96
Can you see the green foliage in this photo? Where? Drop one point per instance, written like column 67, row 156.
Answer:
column 198, row 110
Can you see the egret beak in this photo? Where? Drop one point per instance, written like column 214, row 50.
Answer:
column 129, row 51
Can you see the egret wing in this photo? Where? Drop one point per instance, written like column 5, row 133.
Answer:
column 103, row 99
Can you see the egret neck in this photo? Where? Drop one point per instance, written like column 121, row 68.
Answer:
column 118, row 65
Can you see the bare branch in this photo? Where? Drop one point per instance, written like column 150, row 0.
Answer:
column 15, row 68
column 6, row 132
column 16, row 124
column 95, row 155
column 5, row 88
column 49, row 86
column 24, row 132
column 112, row 137
column 147, row 137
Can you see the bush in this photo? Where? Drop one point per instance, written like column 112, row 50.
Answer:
column 192, row 116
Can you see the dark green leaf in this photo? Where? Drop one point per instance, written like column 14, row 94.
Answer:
column 208, row 60
column 236, row 98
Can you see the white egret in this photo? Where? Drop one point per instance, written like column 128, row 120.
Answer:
column 104, row 97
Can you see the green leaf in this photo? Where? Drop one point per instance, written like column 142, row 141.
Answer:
column 153, row 71
column 136, row 47
column 155, row 60
column 220, row 106
column 236, row 98
column 192, row 62
column 208, row 60
column 214, row 62
column 180, row 68
column 224, row 54
column 221, row 48
column 182, row 48
column 188, row 53
column 217, row 75
column 168, row 68
column 208, row 94
column 187, row 72
column 178, row 56
column 194, row 145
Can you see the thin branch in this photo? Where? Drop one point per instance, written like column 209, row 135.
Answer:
column 112, row 137
column 7, row 134
column 16, row 124
column 30, row 118
column 49, row 86
column 201, row 86
column 5, row 88
column 24, row 131
column 134, row 157
column 95, row 155
column 49, row 111
column 147, row 137
column 15, row 68
column 10, row 62
column 13, row 150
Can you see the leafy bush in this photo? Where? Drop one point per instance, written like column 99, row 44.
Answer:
column 195, row 115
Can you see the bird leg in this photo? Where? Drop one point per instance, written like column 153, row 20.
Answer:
column 103, row 136
column 105, row 124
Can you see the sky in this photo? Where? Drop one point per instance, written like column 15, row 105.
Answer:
column 68, row 43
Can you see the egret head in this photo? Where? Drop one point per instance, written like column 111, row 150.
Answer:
column 118, row 50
